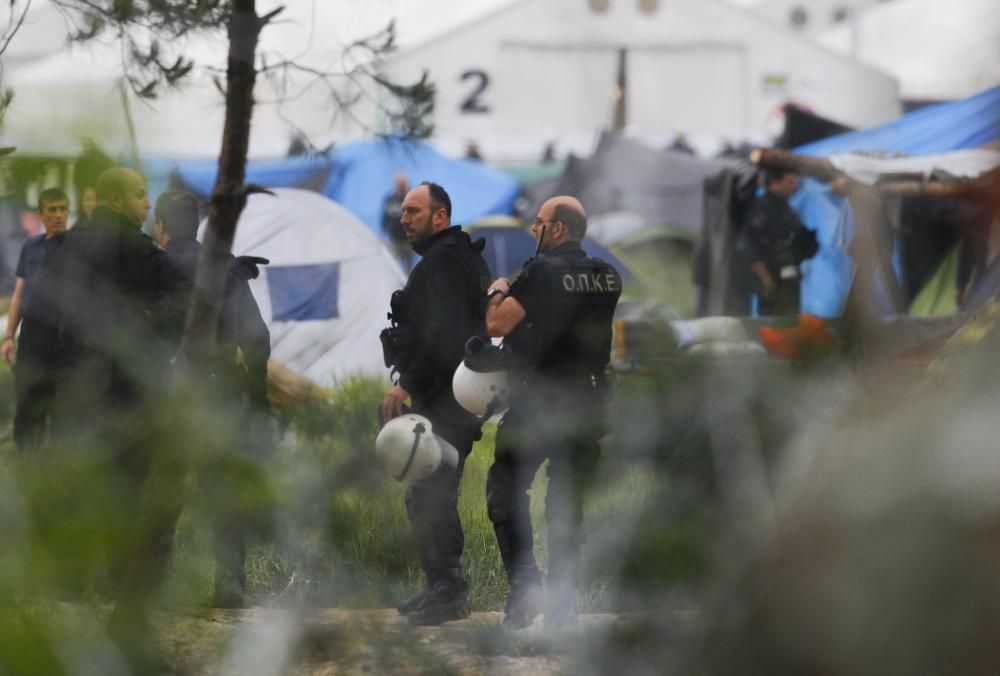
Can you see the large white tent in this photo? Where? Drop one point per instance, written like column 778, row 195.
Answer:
column 509, row 73
column 326, row 291
column 812, row 17
column 65, row 92
column 550, row 70
column 937, row 51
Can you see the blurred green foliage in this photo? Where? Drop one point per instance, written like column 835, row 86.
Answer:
column 331, row 527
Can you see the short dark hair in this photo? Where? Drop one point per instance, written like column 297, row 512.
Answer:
column 178, row 211
column 439, row 198
column 574, row 220
column 51, row 195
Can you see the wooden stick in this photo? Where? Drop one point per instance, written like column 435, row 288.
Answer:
column 815, row 167
column 823, row 170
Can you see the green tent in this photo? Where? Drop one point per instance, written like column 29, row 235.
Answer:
column 937, row 297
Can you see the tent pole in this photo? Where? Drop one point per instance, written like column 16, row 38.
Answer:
column 621, row 92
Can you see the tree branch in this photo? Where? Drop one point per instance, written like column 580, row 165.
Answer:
column 15, row 25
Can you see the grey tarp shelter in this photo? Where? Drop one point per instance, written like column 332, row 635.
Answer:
column 664, row 187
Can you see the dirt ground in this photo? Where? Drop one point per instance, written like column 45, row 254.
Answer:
column 337, row 641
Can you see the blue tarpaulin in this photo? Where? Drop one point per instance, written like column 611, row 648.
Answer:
column 360, row 174
column 942, row 128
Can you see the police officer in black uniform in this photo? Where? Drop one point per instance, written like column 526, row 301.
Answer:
column 239, row 379
column 774, row 242
column 442, row 305
column 556, row 320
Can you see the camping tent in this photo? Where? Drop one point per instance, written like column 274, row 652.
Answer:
column 663, row 187
column 358, row 175
column 509, row 245
column 325, row 293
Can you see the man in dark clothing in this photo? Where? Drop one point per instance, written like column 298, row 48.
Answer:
column 239, row 377
column 444, row 306
column 102, row 286
column 392, row 228
column 106, row 281
column 556, row 320
column 34, row 379
column 774, row 242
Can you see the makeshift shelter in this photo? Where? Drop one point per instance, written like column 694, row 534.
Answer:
column 926, row 135
column 509, row 245
column 661, row 187
column 804, row 126
column 325, row 293
column 359, row 175
column 930, row 137
column 880, row 217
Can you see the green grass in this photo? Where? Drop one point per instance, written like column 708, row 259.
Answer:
column 344, row 538
column 338, row 534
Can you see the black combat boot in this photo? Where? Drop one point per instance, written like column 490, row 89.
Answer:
column 413, row 604
column 524, row 603
column 447, row 600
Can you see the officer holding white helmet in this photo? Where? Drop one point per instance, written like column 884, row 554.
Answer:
column 556, row 320
column 442, row 305
column 408, row 448
column 480, row 383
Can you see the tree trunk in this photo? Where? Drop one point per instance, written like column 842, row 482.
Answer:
column 229, row 194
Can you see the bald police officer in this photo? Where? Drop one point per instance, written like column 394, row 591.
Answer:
column 556, row 320
column 442, row 305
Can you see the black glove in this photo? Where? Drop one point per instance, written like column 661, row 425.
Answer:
column 247, row 267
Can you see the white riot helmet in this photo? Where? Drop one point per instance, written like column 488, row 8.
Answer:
column 480, row 383
column 408, row 448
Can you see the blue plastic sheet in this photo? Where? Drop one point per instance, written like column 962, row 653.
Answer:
column 942, row 128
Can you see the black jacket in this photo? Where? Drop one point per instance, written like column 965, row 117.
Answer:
column 569, row 301
column 102, row 286
column 240, row 324
column 773, row 234
column 446, row 303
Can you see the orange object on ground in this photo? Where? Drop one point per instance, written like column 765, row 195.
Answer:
column 809, row 338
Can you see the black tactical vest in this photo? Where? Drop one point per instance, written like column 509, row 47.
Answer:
column 567, row 333
column 464, row 307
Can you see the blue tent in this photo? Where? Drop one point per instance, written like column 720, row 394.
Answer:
column 359, row 175
column 942, row 128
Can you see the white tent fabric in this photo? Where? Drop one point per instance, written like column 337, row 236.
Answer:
column 67, row 92
column 960, row 164
column 548, row 70
column 326, row 291
column 937, row 51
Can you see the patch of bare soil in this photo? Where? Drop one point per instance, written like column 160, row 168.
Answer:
column 342, row 641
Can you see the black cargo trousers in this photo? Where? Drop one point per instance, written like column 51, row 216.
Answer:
column 563, row 427
column 432, row 504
